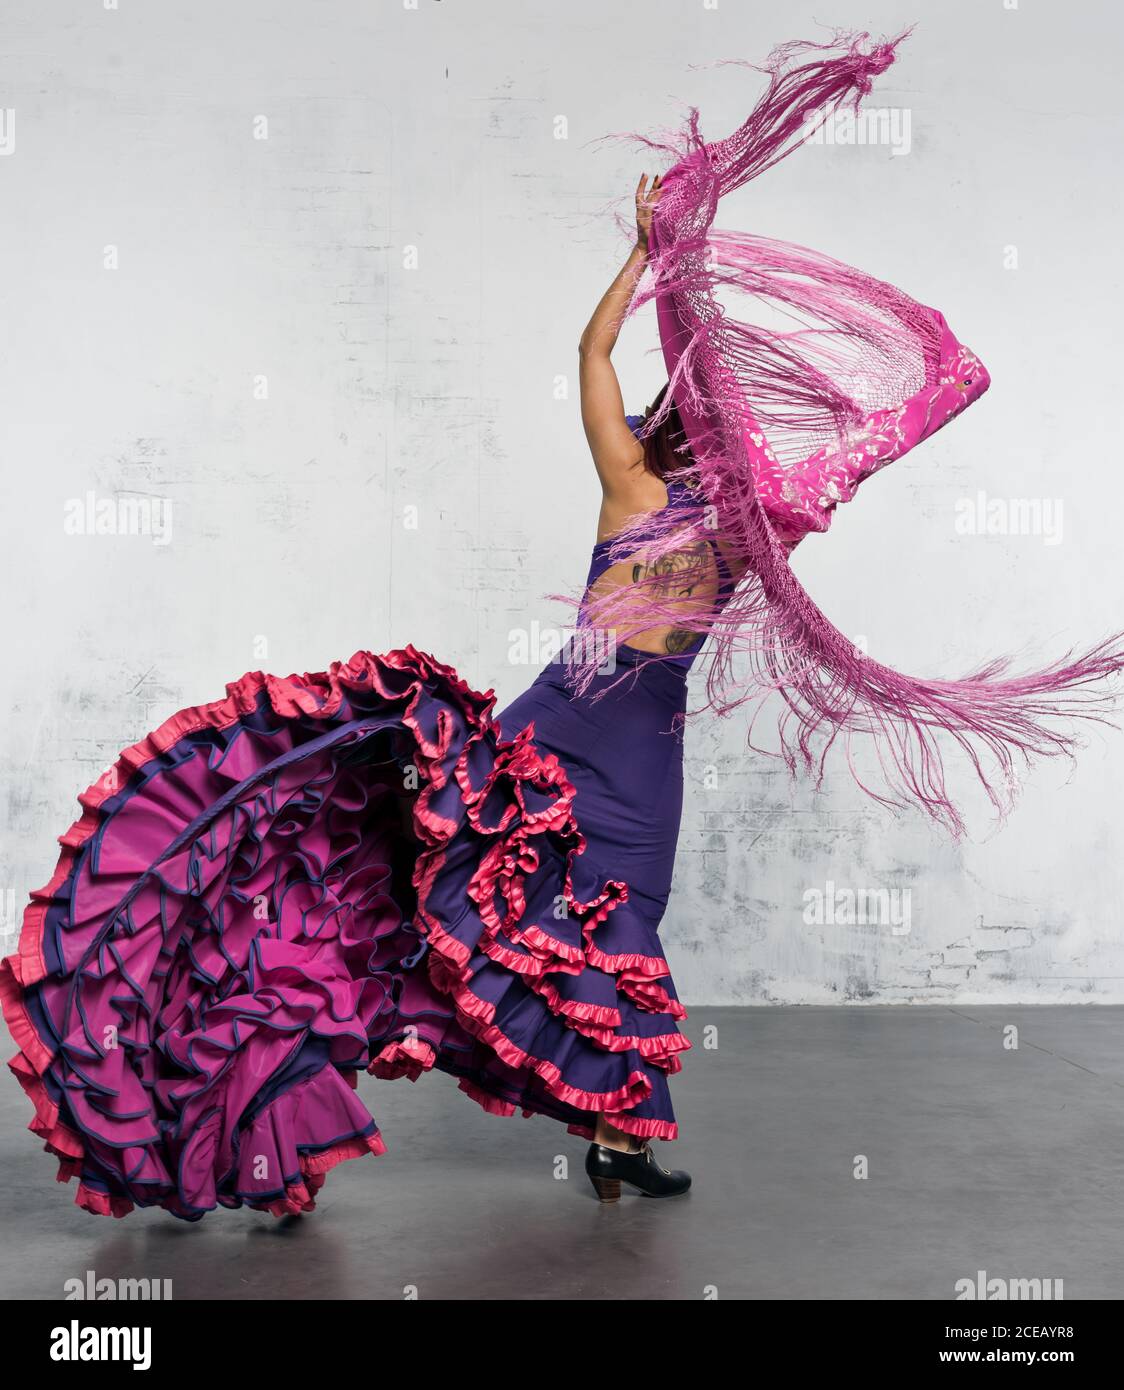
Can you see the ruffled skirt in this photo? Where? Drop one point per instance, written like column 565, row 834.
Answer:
column 357, row 869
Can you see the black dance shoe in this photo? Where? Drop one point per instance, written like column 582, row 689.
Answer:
column 608, row 1168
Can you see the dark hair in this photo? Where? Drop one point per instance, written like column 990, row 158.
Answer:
column 666, row 448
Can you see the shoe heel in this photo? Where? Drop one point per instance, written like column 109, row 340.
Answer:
column 607, row 1189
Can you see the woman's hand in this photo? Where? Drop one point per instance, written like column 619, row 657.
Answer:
column 646, row 200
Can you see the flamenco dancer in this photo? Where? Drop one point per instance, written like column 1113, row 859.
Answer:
column 367, row 869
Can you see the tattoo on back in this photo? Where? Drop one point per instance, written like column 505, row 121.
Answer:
column 676, row 577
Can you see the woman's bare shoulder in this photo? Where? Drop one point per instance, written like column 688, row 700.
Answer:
column 645, row 493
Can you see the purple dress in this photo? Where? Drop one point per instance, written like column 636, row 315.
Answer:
column 358, row 869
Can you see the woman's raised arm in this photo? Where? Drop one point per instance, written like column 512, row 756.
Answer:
column 617, row 455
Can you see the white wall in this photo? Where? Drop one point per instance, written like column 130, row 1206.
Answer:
column 390, row 387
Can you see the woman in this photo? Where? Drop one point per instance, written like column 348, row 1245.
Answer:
column 364, row 868
column 619, row 739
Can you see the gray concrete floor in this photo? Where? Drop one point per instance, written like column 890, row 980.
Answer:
column 979, row 1158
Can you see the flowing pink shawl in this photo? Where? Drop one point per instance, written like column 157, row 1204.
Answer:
column 783, row 425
